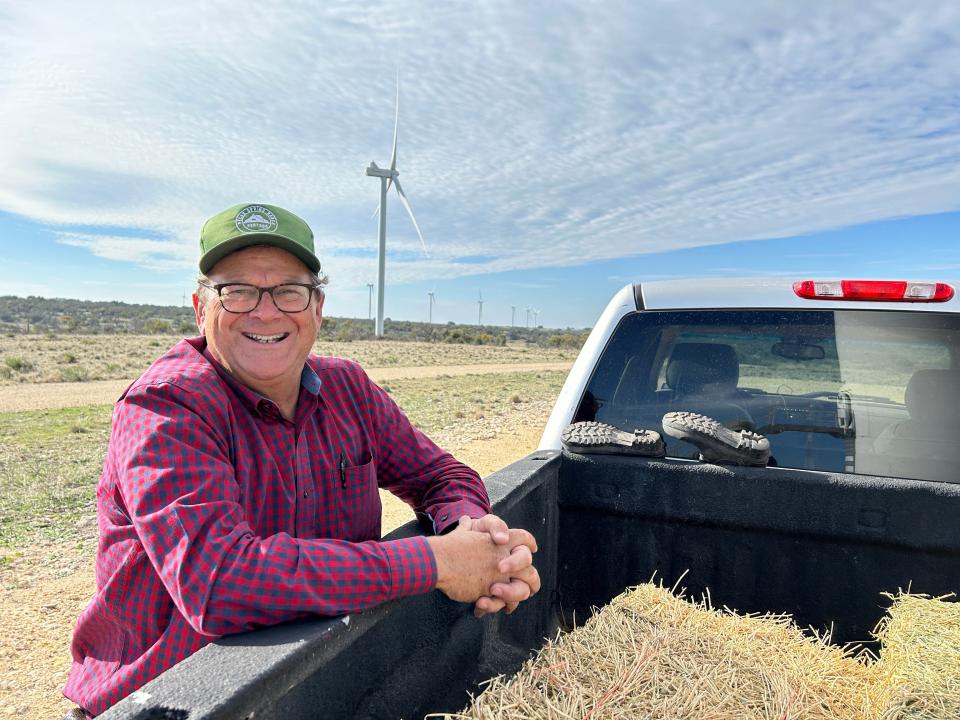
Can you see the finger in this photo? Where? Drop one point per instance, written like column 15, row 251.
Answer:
column 465, row 520
column 518, row 559
column 488, row 605
column 511, row 607
column 522, row 537
column 515, row 591
column 531, row 577
column 495, row 526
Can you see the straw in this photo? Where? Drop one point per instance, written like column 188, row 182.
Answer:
column 650, row 654
column 918, row 674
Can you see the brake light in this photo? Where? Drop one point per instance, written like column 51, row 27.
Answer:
column 875, row 290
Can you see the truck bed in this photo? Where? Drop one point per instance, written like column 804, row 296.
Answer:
column 821, row 546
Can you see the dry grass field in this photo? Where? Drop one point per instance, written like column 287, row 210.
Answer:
column 79, row 358
column 50, row 459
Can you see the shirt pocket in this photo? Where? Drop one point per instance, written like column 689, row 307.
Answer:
column 359, row 505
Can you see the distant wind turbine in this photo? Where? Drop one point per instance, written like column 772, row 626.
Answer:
column 480, row 304
column 513, row 314
column 387, row 177
column 432, row 300
column 536, row 313
column 370, row 301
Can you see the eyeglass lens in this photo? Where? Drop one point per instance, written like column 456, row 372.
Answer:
column 244, row 298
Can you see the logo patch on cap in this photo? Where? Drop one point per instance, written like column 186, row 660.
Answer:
column 256, row 218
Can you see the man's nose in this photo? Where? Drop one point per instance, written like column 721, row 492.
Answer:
column 266, row 308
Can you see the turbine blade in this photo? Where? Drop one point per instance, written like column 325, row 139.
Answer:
column 396, row 126
column 406, row 205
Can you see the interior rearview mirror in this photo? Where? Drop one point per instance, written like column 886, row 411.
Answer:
column 798, row 350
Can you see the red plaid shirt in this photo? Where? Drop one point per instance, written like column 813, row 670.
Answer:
column 217, row 515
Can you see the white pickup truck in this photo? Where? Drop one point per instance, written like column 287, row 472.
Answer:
column 854, row 385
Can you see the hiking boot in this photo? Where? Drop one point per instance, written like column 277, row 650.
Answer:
column 716, row 443
column 596, row 438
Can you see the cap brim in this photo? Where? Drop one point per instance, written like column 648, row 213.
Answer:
column 210, row 258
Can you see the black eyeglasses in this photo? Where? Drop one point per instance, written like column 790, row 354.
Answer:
column 243, row 298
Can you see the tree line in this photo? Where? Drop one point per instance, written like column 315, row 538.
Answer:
column 37, row 315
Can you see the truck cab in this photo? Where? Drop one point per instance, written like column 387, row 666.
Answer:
column 840, row 385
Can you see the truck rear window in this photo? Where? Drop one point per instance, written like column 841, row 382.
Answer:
column 869, row 392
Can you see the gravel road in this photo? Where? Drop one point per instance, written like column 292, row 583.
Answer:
column 41, row 396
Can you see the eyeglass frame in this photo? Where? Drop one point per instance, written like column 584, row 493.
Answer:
column 260, row 291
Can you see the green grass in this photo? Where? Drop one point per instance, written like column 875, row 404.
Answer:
column 440, row 402
column 49, row 464
column 50, row 459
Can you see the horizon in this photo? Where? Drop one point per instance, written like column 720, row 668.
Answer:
column 552, row 152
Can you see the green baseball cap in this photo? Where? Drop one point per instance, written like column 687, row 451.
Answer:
column 255, row 224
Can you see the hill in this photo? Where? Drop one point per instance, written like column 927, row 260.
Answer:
column 31, row 315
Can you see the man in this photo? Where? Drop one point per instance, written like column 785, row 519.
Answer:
column 239, row 488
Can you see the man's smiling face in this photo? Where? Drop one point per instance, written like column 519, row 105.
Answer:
column 265, row 349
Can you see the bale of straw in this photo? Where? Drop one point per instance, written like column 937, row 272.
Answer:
column 918, row 673
column 650, row 654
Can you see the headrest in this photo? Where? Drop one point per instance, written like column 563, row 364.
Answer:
column 694, row 366
column 933, row 396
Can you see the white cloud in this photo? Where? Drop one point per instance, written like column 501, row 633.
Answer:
column 152, row 254
column 532, row 134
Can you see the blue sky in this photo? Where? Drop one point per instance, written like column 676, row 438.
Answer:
column 553, row 151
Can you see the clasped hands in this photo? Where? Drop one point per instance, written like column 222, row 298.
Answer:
column 487, row 563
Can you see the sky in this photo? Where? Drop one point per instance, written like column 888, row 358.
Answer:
column 552, row 151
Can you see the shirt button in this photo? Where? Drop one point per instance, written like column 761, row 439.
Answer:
column 305, row 493
column 443, row 517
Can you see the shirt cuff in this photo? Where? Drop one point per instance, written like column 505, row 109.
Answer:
column 449, row 515
column 413, row 569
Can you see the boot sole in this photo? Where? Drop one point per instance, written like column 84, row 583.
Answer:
column 716, row 443
column 595, row 438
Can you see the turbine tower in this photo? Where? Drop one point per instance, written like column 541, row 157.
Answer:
column 388, row 177
column 480, row 305
column 430, row 315
column 370, row 301
column 513, row 314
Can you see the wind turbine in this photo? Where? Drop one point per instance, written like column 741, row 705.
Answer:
column 430, row 316
column 535, row 314
column 370, row 301
column 513, row 314
column 389, row 176
column 480, row 304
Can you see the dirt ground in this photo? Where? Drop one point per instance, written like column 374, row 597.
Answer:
column 38, row 396
column 43, row 591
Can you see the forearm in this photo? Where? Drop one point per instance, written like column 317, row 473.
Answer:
column 271, row 580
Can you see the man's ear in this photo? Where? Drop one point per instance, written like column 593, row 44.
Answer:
column 319, row 309
column 200, row 310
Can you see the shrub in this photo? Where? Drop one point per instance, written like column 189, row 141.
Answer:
column 74, row 373
column 68, row 358
column 156, row 326
column 18, row 364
